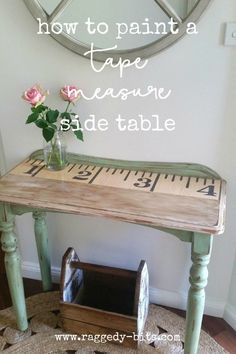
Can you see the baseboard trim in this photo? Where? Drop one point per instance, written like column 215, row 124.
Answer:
column 157, row 296
column 31, row 270
column 230, row 316
column 179, row 301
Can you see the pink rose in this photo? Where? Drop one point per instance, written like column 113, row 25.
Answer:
column 70, row 93
column 35, row 95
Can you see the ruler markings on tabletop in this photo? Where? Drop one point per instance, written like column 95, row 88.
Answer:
column 208, row 188
column 71, row 168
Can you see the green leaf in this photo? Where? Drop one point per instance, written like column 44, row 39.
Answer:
column 65, row 115
column 65, row 125
column 48, row 133
column 52, row 116
column 39, row 109
column 79, row 134
column 41, row 123
column 53, row 126
column 32, row 118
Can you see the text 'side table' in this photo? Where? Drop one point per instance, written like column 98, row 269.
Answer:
column 185, row 200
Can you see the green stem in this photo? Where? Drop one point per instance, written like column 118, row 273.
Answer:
column 55, row 153
column 68, row 105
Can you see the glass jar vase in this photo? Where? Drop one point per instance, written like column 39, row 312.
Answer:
column 55, row 152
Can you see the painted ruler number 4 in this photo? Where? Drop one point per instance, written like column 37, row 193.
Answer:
column 208, row 190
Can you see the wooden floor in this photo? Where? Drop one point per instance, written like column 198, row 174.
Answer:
column 217, row 328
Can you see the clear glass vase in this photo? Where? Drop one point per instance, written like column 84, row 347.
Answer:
column 55, row 153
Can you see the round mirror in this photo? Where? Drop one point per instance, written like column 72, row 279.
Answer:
column 126, row 29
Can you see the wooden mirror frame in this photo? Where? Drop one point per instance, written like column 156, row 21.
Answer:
column 143, row 52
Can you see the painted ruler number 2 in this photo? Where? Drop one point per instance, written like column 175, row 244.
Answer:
column 83, row 175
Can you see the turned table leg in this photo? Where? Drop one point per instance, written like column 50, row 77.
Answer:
column 41, row 236
column 13, row 265
column 201, row 251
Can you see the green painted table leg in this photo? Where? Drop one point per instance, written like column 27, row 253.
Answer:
column 41, row 236
column 201, row 251
column 13, row 265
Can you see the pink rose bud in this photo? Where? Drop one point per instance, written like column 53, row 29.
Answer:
column 35, row 95
column 70, row 93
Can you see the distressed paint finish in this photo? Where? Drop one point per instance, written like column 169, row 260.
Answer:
column 123, row 178
column 13, row 265
column 173, row 203
column 178, row 168
column 28, row 200
column 41, row 237
column 201, row 252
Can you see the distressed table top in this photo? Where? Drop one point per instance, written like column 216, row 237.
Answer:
column 177, row 196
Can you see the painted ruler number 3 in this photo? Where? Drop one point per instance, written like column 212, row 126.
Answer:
column 209, row 190
column 144, row 183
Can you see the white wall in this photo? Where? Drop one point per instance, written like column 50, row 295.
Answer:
column 2, row 158
column 230, row 308
column 201, row 73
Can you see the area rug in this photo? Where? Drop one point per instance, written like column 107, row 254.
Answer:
column 44, row 336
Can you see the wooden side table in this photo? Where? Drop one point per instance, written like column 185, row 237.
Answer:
column 185, row 200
